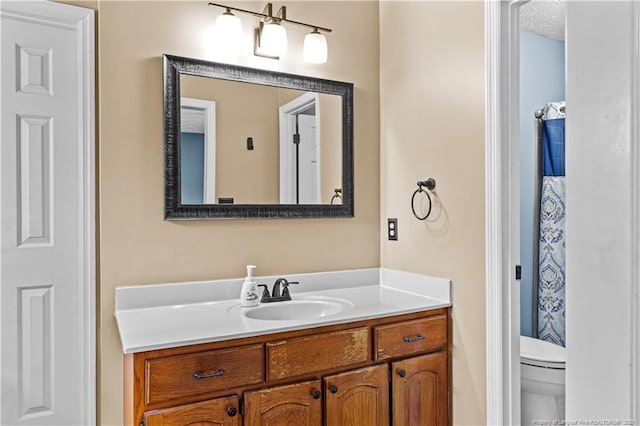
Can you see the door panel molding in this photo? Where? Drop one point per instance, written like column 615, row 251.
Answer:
column 35, row 338
column 34, row 185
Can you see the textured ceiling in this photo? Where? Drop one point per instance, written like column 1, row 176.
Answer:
column 544, row 17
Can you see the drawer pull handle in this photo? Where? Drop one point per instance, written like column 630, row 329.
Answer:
column 414, row 339
column 333, row 388
column 402, row 373
column 232, row 411
column 316, row 394
column 199, row 376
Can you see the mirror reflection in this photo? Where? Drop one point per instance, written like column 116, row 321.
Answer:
column 245, row 143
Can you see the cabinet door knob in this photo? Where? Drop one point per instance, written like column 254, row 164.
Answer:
column 402, row 373
column 316, row 394
column 232, row 411
column 333, row 388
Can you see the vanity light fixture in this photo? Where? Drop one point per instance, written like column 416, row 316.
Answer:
column 229, row 25
column 271, row 37
column 315, row 47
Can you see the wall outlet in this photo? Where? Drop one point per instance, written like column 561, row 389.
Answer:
column 392, row 229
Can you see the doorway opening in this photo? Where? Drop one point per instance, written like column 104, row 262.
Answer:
column 512, row 163
column 541, row 89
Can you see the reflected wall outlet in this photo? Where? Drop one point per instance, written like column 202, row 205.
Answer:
column 392, row 228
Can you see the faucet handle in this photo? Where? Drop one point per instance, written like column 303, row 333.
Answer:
column 265, row 292
column 285, row 288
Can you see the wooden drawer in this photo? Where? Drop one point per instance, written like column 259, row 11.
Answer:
column 220, row 411
column 302, row 355
column 408, row 337
column 182, row 376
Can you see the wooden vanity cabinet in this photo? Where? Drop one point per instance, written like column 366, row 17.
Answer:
column 318, row 352
column 378, row 372
column 299, row 404
column 420, row 391
column 358, row 398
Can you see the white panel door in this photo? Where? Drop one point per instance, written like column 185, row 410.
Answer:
column 308, row 170
column 46, row 278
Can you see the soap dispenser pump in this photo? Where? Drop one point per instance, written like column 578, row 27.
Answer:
column 249, row 292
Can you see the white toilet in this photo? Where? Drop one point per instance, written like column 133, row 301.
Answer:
column 542, row 366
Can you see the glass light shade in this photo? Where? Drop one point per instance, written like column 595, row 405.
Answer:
column 273, row 40
column 315, row 48
column 229, row 28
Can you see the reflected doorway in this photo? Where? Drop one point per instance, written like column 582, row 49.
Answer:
column 197, row 151
column 300, row 151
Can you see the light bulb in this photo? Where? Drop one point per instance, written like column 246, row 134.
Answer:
column 273, row 39
column 315, row 48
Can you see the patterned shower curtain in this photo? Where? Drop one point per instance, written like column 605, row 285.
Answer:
column 551, row 280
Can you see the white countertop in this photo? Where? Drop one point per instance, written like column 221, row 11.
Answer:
column 168, row 315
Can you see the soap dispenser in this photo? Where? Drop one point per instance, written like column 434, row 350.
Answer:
column 249, row 293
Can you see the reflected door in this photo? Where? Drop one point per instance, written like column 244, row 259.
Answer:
column 300, row 151
column 308, row 171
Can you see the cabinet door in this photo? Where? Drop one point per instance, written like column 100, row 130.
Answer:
column 420, row 393
column 358, row 398
column 299, row 404
column 219, row 412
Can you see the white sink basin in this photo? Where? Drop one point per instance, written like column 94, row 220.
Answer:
column 298, row 309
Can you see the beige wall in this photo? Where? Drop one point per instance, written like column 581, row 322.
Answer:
column 136, row 245
column 432, row 118
column 431, row 124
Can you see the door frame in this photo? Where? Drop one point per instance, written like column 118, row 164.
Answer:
column 501, row 156
column 502, row 325
column 635, row 214
column 82, row 21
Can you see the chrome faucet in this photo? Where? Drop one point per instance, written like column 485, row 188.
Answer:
column 279, row 293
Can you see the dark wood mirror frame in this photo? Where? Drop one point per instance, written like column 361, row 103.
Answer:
column 173, row 67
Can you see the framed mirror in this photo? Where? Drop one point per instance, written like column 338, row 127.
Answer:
column 246, row 143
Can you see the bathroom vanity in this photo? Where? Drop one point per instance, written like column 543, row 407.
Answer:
column 382, row 359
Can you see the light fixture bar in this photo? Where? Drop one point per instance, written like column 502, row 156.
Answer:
column 276, row 18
